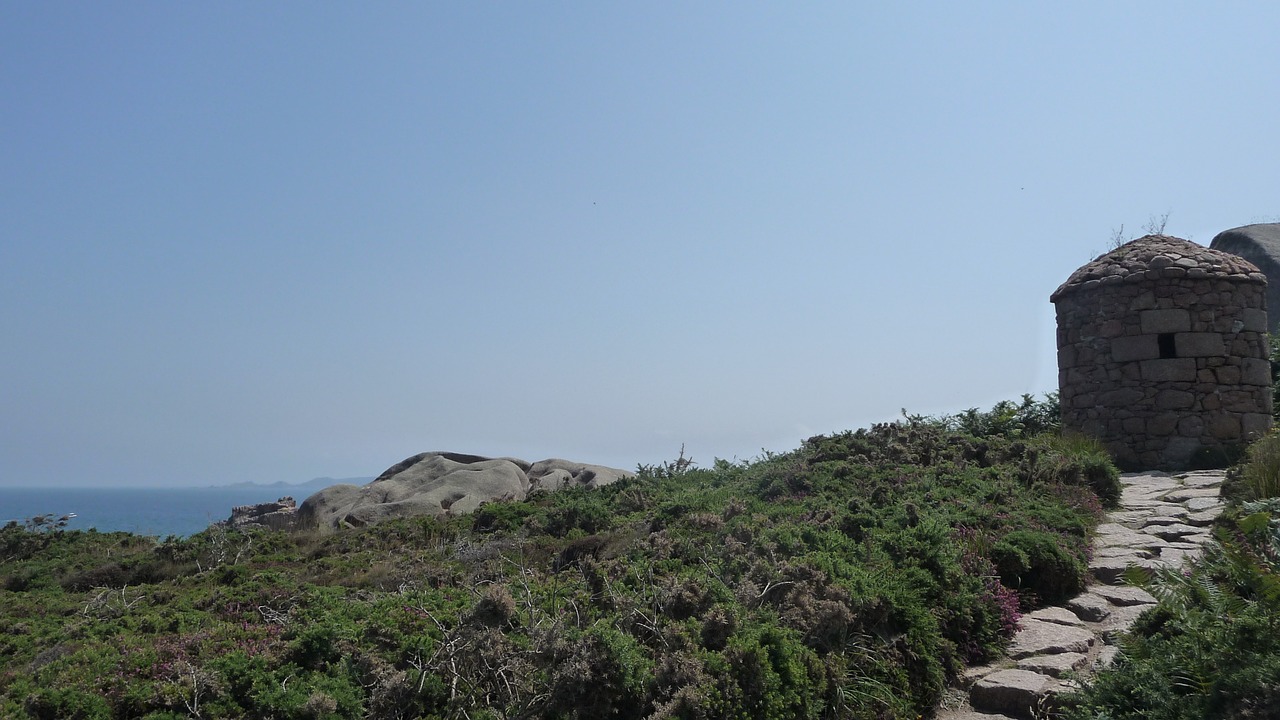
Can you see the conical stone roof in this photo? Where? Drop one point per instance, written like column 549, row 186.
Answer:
column 1156, row 256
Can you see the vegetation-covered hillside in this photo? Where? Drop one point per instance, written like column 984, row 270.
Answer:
column 850, row 578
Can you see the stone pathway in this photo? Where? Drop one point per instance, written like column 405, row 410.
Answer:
column 1162, row 521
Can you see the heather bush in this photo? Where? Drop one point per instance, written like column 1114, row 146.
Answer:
column 852, row 577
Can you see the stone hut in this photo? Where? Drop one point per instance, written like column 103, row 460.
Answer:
column 1162, row 353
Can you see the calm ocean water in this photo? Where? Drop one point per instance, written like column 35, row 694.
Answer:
column 145, row 511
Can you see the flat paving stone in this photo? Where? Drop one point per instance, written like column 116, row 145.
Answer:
column 1059, row 615
column 1213, row 479
column 1123, row 595
column 1144, row 504
column 1150, row 484
column 1054, row 665
column 1111, row 570
column 1014, row 692
column 1189, row 493
column 1130, row 538
column 1176, row 531
column 1090, row 607
column 1202, row 503
column 1172, row 557
column 1044, row 638
column 1163, row 520
column 1166, row 510
column 1110, row 551
column 1112, row 528
column 1202, row 518
column 1120, row 620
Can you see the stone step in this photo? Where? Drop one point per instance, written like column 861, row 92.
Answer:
column 1037, row 637
column 1018, row 693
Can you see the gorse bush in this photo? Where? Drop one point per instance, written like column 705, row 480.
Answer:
column 853, row 577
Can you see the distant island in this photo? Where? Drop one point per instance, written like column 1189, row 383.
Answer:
column 316, row 483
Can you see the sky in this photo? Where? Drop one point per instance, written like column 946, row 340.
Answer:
column 245, row 241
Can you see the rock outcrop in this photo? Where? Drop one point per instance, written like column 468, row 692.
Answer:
column 444, row 483
column 278, row 515
column 1260, row 245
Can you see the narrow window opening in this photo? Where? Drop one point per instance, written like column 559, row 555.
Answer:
column 1167, row 350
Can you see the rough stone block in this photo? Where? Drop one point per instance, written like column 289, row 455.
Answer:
column 1169, row 370
column 1224, row 427
column 1241, row 401
column 1161, row 425
column 1178, row 451
column 1144, row 301
column 1228, row 375
column 1255, row 320
column 1111, row 328
column 1170, row 320
column 1172, row 533
column 1067, row 356
column 1121, row 398
column 1199, row 344
column 1255, row 425
column 1255, row 371
column 1174, row 399
column 1191, row 426
column 1135, row 347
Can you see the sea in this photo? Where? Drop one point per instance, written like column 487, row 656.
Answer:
column 146, row 511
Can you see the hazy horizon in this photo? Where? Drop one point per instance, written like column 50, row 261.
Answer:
column 257, row 243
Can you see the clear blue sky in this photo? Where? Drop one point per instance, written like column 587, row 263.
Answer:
column 274, row 241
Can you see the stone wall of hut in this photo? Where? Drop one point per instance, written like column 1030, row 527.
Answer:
column 1166, row 369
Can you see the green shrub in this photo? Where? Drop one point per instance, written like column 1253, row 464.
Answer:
column 1037, row 564
column 1027, row 418
column 1259, row 477
column 1075, row 459
column 579, row 510
column 500, row 516
column 66, row 704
